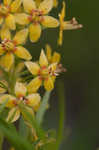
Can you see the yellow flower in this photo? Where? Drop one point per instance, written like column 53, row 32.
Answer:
column 10, row 47
column 55, row 2
column 7, row 13
column 36, row 17
column 21, row 96
column 55, row 58
column 4, row 84
column 38, row 2
column 66, row 25
column 2, row 88
column 44, row 72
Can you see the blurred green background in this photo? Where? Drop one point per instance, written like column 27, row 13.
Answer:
column 80, row 55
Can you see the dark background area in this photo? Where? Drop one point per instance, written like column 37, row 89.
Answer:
column 80, row 55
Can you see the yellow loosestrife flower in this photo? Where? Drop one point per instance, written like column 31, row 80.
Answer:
column 44, row 73
column 2, row 84
column 21, row 96
column 38, row 2
column 12, row 46
column 55, row 58
column 55, row 2
column 7, row 13
column 66, row 25
column 36, row 17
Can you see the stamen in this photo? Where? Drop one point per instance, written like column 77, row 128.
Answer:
column 75, row 23
column 15, row 102
column 41, row 78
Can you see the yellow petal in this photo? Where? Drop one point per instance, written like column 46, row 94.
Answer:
column 7, row 2
column 33, row 100
column 34, row 32
column 60, row 39
column 32, row 67
column 12, row 148
column 38, row 2
column 21, row 36
column 29, row 110
column 10, row 22
column 5, row 33
column 46, row 6
column 71, row 25
column 63, row 11
column 29, row 5
column 3, row 90
column 19, row 10
column 48, row 84
column 43, row 59
column 55, row 3
column 53, row 78
column 61, row 19
column 7, row 61
column 20, row 89
column 34, row 85
column 56, row 57
column 22, row 18
column 20, row 67
column 15, row 5
column 50, row 22
column 11, row 100
column 1, row 50
column 1, row 20
column 23, row 53
column 13, row 115
column 36, row 107
column 48, row 52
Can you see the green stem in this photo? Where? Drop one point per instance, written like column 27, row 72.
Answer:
column 43, row 108
column 12, row 81
column 61, row 98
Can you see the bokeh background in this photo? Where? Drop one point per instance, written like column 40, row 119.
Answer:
column 80, row 55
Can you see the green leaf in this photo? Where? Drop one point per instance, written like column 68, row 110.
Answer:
column 17, row 141
column 23, row 128
column 32, row 121
column 43, row 108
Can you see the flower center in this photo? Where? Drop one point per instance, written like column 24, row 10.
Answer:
column 23, row 99
column 59, row 69
column 4, row 10
column 36, row 16
column 44, row 72
column 8, row 45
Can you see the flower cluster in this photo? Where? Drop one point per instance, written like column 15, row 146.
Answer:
column 21, row 77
